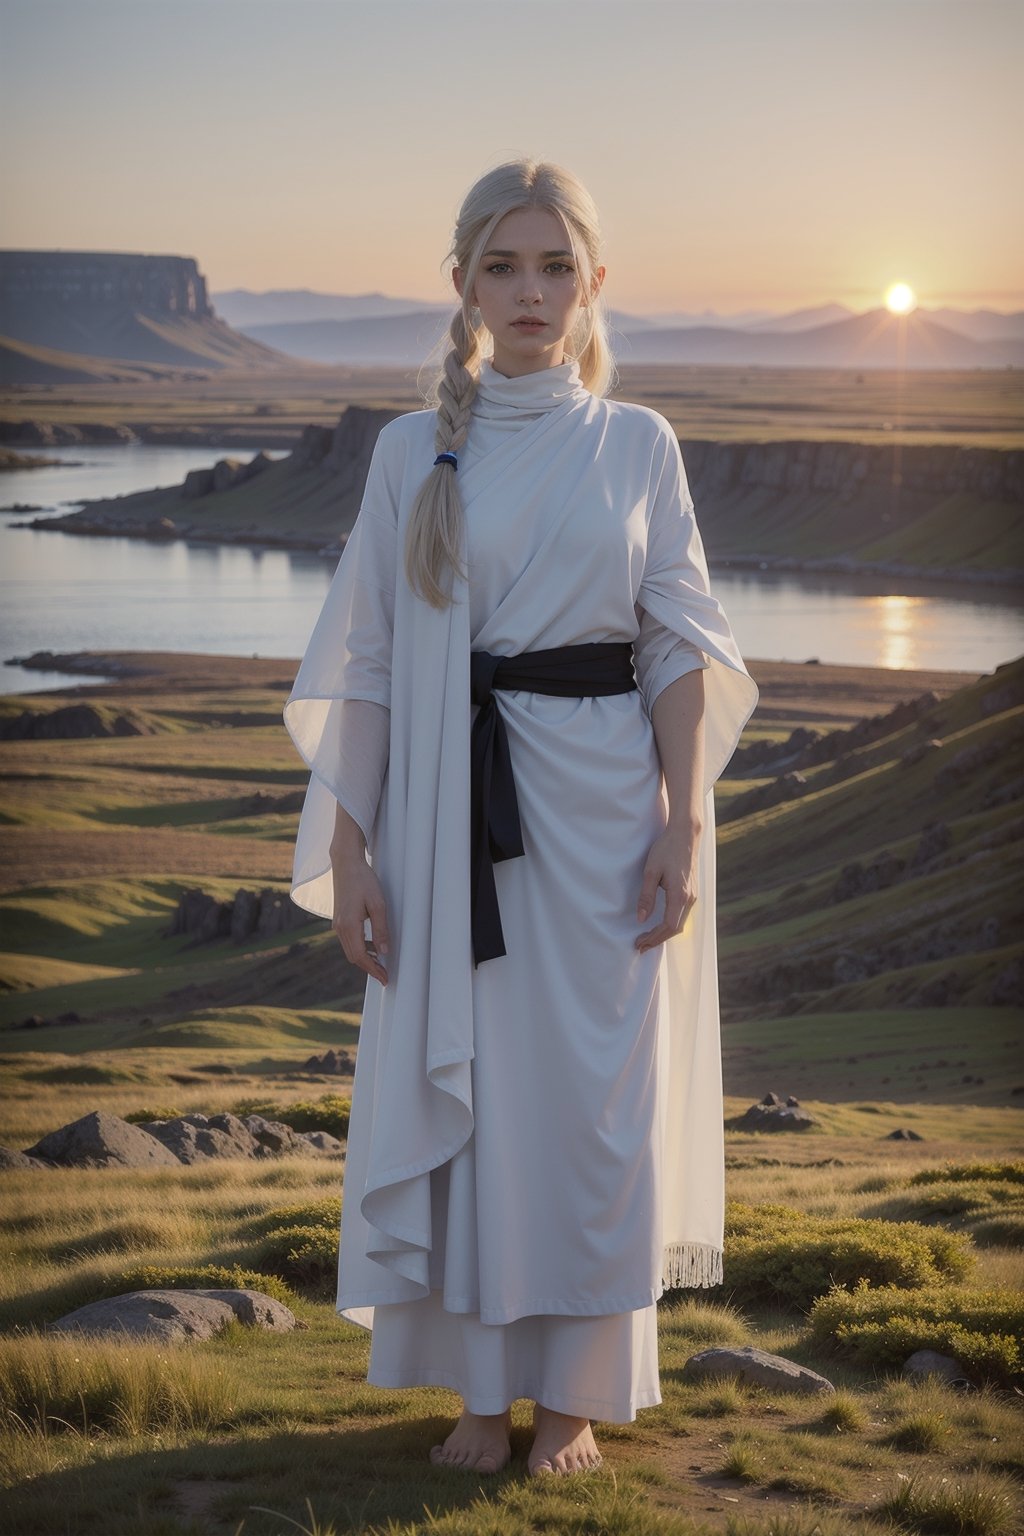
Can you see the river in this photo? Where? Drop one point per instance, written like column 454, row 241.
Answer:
column 65, row 592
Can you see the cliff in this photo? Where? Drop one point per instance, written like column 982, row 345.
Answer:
column 937, row 511
column 99, row 304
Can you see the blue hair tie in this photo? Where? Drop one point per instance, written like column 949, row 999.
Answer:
column 447, row 458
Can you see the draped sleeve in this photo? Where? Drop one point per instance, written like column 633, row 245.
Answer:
column 338, row 713
column 682, row 623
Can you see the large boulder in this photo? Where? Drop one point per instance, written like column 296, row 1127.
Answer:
column 173, row 1316
column 758, row 1366
column 100, row 1140
column 771, row 1114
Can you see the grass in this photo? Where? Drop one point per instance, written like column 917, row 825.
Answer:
column 260, row 1433
column 250, row 1422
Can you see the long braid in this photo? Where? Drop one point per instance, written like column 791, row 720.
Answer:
column 434, row 541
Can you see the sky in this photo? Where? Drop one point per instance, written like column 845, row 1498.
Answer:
column 743, row 154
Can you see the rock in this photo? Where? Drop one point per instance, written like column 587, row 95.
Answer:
column 263, row 912
column 175, row 1315
column 10, row 1158
column 245, row 914
column 848, row 967
column 330, row 1061
column 274, row 1135
column 100, row 1140
column 198, row 482
column 72, row 722
column 773, row 1117
column 919, row 751
column 903, row 1134
column 928, row 1362
column 755, row 1365
column 323, row 1141
column 193, row 1138
column 856, row 879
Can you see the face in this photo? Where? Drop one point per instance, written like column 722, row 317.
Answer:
column 527, row 270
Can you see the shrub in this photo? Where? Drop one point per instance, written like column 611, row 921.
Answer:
column 329, row 1113
column 305, row 1256
column 160, row 1112
column 775, row 1254
column 1003, row 1173
column 325, row 1212
column 881, row 1326
column 164, row 1277
column 986, row 1200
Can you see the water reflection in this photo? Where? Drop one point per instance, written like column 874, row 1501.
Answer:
column 901, row 620
column 65, row 593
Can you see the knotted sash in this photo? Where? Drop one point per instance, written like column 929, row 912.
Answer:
column 570, row 671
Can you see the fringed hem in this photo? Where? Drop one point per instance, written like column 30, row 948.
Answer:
column 691, row 1264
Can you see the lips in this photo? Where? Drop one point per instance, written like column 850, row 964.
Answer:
column 530, row 325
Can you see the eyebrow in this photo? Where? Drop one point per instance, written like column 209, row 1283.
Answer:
column 545, row 254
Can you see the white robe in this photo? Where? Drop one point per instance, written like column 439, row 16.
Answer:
column 541, row 1135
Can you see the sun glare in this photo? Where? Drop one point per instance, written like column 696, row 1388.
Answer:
column 900, row 299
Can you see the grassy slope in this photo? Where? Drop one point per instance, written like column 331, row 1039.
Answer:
column 102, row 836
column 955, row 918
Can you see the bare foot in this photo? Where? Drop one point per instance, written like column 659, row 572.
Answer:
column 478, row 1443
column 561, row 1443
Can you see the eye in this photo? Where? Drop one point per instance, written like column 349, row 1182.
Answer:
column 496, row 265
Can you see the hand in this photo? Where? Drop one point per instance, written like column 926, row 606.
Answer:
column 358, row 895
column 672, row 864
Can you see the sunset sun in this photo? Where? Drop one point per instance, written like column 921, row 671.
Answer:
column 900, row 299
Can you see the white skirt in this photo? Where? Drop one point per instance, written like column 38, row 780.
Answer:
column 602, row 1368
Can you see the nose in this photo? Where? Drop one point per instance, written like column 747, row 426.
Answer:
column 529, row 292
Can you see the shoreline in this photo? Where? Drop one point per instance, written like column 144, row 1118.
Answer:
column 166, row 531
column 795, row 687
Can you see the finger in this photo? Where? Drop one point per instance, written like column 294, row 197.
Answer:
column 664, row 930
column 358, row 951
column 379, row 924
column 648, row 890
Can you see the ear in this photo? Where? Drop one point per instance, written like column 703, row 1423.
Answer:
column 597, row 280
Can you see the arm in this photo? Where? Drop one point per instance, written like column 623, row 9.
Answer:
column 677, row 716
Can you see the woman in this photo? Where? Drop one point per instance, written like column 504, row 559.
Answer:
column 515, row 703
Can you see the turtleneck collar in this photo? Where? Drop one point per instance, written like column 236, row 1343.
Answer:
column 498, row 395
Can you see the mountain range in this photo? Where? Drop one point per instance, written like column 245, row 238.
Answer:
column 83, row 316
column 374, row 329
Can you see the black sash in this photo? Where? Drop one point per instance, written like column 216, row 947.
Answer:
column 571, row 671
